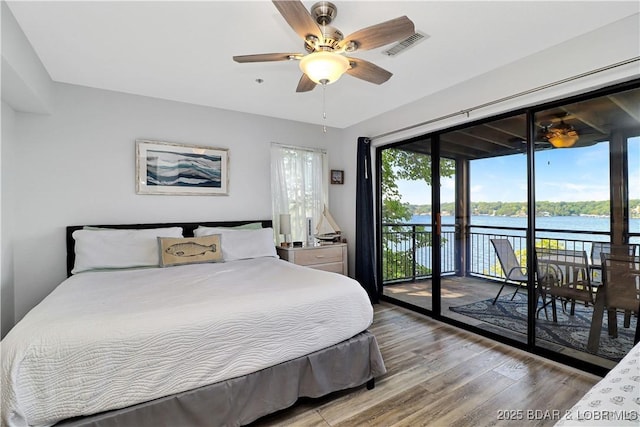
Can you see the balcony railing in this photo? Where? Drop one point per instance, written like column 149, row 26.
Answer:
column 408, row 252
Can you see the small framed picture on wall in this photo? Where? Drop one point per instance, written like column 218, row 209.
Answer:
column 337, row 176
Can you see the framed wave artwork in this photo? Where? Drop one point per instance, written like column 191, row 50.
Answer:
column 169, row 168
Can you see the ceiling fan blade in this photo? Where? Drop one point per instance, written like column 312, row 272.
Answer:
column 266, row 57
column 381, row 34
column 305, row 84
column 368, row 71
column 298, row 18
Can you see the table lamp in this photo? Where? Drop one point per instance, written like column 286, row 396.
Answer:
column 285, row 228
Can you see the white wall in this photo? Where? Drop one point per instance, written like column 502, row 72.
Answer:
column 7, row 214
column 26, row 85
column 78, row 167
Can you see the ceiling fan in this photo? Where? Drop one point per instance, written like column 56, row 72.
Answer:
column 557, row 133
column 326, row 61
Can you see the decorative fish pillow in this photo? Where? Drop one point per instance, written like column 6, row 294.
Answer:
column 189, row 250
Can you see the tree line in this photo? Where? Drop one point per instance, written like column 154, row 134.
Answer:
column 543, row 208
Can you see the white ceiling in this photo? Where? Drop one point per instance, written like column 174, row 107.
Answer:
column 182, row 50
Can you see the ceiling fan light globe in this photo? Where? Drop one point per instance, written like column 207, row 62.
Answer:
column 562, row 135
column 324, row 67
column 563, row 140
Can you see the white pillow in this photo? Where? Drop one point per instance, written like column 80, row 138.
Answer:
column 242, row 244
column 113, row 248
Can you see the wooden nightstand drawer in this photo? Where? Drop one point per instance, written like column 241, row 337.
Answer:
column 334, row 267
column 322, row 255
column 328, row 258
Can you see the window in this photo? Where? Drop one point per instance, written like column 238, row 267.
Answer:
column 299, row 178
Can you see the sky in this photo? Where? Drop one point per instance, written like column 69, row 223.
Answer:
column 570, row 175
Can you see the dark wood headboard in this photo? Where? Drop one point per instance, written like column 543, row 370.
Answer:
column 187, row 227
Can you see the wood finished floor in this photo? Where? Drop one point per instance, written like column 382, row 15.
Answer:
column 439, row 375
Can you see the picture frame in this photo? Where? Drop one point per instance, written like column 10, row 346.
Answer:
column 181, row 169
column 337, row 176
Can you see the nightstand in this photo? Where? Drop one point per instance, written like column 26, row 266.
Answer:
column 324, row 257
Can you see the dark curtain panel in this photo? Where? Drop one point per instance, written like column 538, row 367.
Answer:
column 365, row 241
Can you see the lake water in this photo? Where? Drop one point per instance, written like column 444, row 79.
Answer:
column 482, row 254
column 581, row 223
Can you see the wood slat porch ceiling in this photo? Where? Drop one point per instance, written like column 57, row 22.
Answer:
column 594, row 120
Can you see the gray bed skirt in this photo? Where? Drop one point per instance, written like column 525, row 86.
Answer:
column 241, row 400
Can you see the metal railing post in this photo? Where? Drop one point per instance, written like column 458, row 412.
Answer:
column 413, row 251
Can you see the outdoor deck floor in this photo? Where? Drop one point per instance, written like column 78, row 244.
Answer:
column 457, row 291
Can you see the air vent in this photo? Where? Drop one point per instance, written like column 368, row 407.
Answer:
column 405, row 44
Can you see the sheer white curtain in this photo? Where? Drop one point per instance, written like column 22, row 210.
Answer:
column 299, row 178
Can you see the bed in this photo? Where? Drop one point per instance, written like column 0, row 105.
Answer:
column 614, row 400
column 219, row 342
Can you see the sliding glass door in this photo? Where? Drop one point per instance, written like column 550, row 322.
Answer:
column 506, row 235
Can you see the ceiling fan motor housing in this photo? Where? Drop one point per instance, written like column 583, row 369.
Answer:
column 331, row 36
column 324, row 12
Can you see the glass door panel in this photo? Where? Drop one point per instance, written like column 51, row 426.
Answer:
column 490, row 204
column 407, row 258
column 583, row 170
column 572, row 221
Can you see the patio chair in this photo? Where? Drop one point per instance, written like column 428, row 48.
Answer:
column 600, row 248
column 563, row 274
column 620, row 290
column 510, row 265
column 629, row 249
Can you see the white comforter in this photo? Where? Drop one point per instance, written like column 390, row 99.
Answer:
column 106, row 340
column 614, row 401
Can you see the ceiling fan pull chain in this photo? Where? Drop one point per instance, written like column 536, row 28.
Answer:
column 324, row 109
